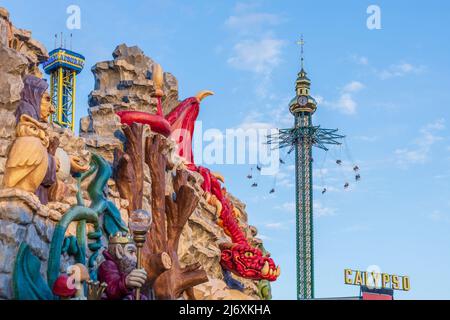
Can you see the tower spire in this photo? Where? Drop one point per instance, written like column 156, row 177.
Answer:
column 301, row 42
column 302, row 138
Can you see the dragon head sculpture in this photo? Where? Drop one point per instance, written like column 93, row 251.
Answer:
column 248, row 262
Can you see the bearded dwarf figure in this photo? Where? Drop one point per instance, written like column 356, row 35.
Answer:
column 119, row 271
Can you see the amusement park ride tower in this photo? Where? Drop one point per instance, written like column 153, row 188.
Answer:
column 63, row 66
column 302, row 138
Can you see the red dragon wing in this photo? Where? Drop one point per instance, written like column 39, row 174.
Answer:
column 182, row 121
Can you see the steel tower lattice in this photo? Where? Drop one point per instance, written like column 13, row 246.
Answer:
column 302, row 138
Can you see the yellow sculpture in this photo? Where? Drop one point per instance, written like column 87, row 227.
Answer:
column 28, row 158
column 212, row 200
column 78, row 165
column 203, row 94
column 47, row 108
column 158, row 80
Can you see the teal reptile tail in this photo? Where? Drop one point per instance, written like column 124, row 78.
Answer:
column 112, row 221
column 76, row 213
column 27, row 281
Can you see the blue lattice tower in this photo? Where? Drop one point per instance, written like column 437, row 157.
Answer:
column 302, row 138
column 63, row 66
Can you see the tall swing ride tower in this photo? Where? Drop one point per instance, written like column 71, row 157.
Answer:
column 63, row 66
column 301, row 139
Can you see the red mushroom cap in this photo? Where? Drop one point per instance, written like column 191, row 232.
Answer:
column 61, row 287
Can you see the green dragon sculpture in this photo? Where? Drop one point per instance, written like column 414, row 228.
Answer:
column 28, row 283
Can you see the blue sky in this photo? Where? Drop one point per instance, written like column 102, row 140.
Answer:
column 387, row 90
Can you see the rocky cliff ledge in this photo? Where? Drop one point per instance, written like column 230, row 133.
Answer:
column 123, row 83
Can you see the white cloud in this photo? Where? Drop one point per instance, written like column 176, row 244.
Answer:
column 330, row 188
column 420, row 152
column 436, row 125
column 400, row 70
column 362, row 60
column 288, row 207
column 319, row 99
column 284, row 179
column 264, row 237
column 366, row 138
column 346, row 102
column 318, row 208
column 438, row 216
column 256, row 49
column 258, row 56
column 407, row 156
column 321, row 211
column 290, row 167
column 275, row 225
column 251, row 22
column 255, row 125
column 242, row 7
column 353, row 86
column 355, row 228
column 280, row 115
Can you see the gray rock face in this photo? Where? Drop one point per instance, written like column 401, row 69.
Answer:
column 39, row 247
column 7, row 257
column 20, row 40
column 124, row 83
column 44, row 228
column 12, row 69
column 5, row 27
column 11, row 232
column 5, row 286
column 23, row 219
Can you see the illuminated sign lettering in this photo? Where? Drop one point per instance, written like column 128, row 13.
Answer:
column 376, row 280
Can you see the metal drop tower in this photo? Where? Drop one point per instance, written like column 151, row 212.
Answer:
column 63, row 66
column 302, row 138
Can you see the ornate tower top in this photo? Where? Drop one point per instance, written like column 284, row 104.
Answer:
column 303, row 101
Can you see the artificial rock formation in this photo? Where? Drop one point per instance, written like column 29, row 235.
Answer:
column 170, row 215
column 130, row 167
column 24, row 219
column 20, row 40
column 124, row 83
column 187, row 261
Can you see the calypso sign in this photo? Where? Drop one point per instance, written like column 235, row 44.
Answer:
column 376, row 280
